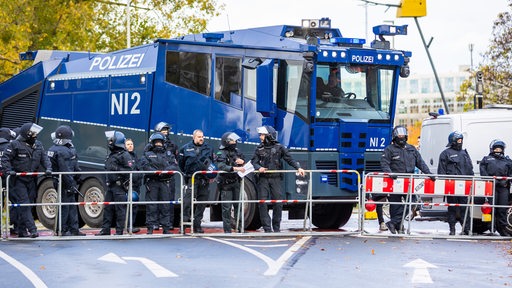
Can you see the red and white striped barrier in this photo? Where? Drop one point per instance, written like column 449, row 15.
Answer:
column 456, row 187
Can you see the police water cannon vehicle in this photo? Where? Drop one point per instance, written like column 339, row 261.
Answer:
column 331, row 99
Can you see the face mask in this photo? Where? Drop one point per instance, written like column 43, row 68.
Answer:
column 498, row 154
column 400, row 142
column 159, row 149
column 457, row 146
column 31, row 140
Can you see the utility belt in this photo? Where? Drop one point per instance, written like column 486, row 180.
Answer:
column 159, row 180
column 226, row 181
column 270, row 175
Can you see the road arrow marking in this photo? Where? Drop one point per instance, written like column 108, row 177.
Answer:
column 111, row 257
column 420, row 274
column 152, row 266
column 273, row 265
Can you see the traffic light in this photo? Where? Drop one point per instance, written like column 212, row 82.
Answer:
column 479, row 78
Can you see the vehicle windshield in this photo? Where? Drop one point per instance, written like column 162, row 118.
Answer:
column 353, row 92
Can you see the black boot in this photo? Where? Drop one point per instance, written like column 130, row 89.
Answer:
column 452, row 228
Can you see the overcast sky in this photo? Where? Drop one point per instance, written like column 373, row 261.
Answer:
column 453, row 24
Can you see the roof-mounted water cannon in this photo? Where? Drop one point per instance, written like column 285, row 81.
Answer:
column 386, row 30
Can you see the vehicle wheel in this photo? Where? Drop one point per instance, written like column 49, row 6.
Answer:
column 46, row 214
column 509, row 218
column 92, row 214
column 251, row 213
column 331, row 215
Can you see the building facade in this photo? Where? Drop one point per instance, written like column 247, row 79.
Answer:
column 419, row 94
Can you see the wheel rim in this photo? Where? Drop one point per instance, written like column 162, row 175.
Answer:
column 93, row 194
column 49, row 211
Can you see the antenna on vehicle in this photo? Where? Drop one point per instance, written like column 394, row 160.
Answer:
column 229, row 28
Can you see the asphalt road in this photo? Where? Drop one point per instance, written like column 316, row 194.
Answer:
column 259, row 260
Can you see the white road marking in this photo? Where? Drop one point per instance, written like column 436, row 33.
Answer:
column 260, row 240
column 420, row 273
column 273, row 265
column 31, row 276
column 266, row 246
column 111, row 257
column 152, row 266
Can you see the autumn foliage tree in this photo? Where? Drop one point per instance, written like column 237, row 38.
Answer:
column 93, row 25
column 496, row 66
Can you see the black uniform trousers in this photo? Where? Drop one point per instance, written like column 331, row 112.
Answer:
column 201, row 194
column 20, row 193
column 114, row 193
column 501, row 195
column 270, row 187
column 461, row 210
column 229, row 192
column 158, row 213
column 69, row 212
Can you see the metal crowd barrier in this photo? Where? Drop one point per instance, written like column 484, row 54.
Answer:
column 5, row 221
column 421, row 185
column 309, row 201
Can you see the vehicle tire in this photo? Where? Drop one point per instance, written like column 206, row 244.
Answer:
column 331, row 215
column 252, row 219
column 93, row 191
column 509, row 218
column 46, row 214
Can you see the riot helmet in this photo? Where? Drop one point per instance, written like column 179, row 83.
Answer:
column 497, row 147
column 453, row 140
column 269, row 132
column 116, row 139
column 400, row 136
column 29, row 131
column 162, row 126
column 63, row 135
column 157, row 137
column 7, row 134
column 227, row 138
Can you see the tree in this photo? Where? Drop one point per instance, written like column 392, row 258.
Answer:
column 93, row 25
column 496, row 66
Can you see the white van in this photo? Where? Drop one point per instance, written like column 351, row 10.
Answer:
column 479, row 128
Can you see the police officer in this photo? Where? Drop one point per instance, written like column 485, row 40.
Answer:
column 64, row 159
column 400, row 157
column 195, row 156
column 497, row 164
column 6, row 136
column 118, row 184
column 136, row 179
column 25, row 154
column 157, row 185
column 229, row 159
column 268, row 156
column 172, row 148
column 456, row 161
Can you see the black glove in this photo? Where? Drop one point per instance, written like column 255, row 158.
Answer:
column 48, row 172
column 433, row 178
column 394, row 177
column 12, row 173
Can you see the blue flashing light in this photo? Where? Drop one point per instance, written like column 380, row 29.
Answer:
column 391, row 30
column 440, row 111
column 213, row 37
column 349, row 41
column 29, row 55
